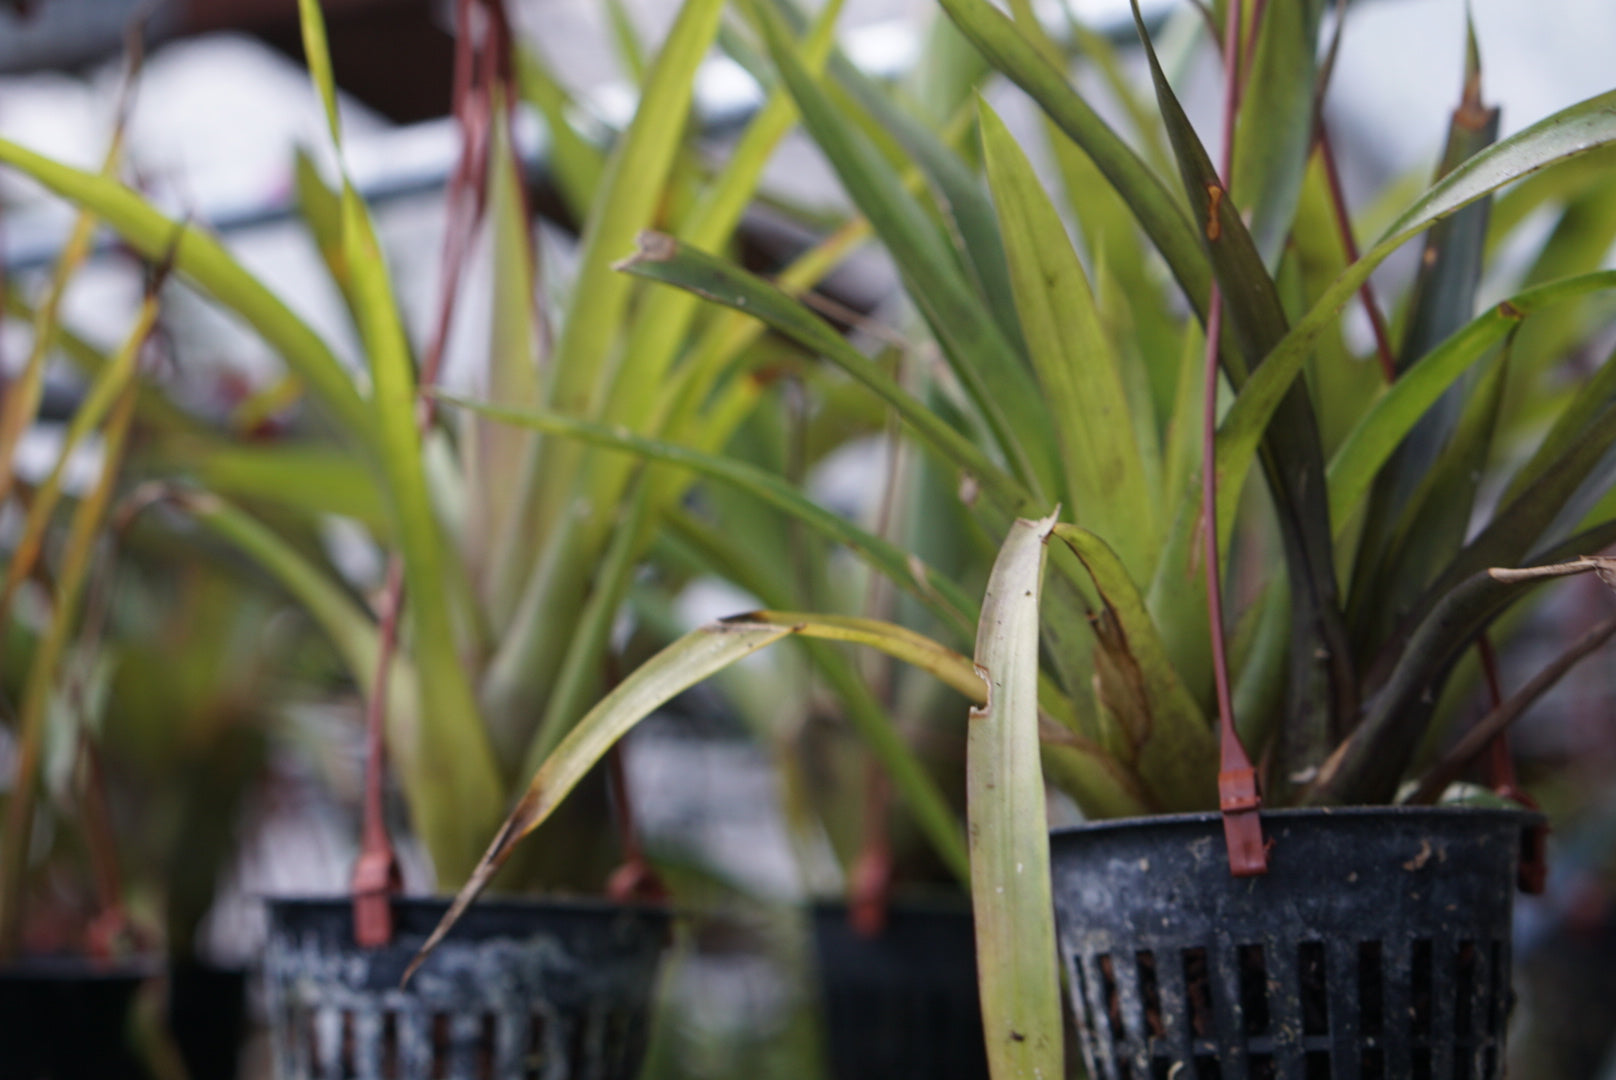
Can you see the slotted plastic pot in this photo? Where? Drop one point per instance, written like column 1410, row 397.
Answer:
column 520, row 990
column 1377, row 946
column 63, row 1018
column 902, row 1003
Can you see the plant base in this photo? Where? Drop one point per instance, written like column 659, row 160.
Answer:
column 1377, row 947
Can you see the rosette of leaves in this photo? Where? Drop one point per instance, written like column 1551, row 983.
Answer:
column 1390, row 481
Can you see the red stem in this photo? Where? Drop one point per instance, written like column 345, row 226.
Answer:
column 869, row 884
column 376, row 874
column 636, row 879
column 1238, row 797
column 1349, row 245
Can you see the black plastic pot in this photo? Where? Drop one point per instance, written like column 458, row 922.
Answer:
column 518, row 991
column 207, row 1016
column 902, row 1004
column 1377, row 947
column 63, row 1018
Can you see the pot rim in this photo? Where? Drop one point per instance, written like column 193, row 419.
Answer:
column 584, row 905
column 77, row 967
column 1295, row 813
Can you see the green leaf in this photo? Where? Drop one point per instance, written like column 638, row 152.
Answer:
column 581, row 365
column 1076, row 365
column 1172, row 744
column 41, row 687
column 24, row 392
column 1443, row 301
column 492, row 455
column 940, row 595
column 1275, row 132
column 1372, row 441
column 1321, row 689
column 627, row 203
column 693, row 658
column 317, row 54
column 109, row 387
column 664, row 259
column 463, row 798
column 1371, row 763
column 1010, row 881
column 1436, row 515
column 312, row 480
column 1159, row 213
column 577, row 163
column 994, row 374
column 204, row 262
column 1574, row 131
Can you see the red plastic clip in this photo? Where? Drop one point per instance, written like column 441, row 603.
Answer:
column 1239, row 801
column 376, row 880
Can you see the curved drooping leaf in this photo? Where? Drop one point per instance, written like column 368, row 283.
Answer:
column 1011, row 898
column 688, row 661
column 205, row 263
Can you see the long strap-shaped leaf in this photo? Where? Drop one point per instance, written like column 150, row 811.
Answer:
column 627, row 202
column 1011, row 895
column 1321, row 690
column 1566, row 135
column 1159, row 213
column 204, row 262
column 1370, row 443
column 940, row 595
column 1077, row 367
column 990, row 368
column 664, row 259
column 462, row 798
column 693, row 658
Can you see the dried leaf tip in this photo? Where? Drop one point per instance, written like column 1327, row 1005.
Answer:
column 653, row 246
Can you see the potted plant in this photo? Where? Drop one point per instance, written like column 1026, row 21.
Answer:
column 510, row 552
column 72, row 958
column 1077, row 384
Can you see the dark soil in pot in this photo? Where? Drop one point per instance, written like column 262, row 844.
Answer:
column 1377, row 947
column 67, row 1018
column 902, row 1004
column 520, row 990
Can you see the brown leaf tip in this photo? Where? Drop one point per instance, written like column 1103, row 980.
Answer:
column 653, row 247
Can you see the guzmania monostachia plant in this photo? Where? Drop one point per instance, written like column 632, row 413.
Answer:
column 1079, row 374
column 511, row 552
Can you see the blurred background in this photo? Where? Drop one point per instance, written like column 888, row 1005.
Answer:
column 221, row 105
